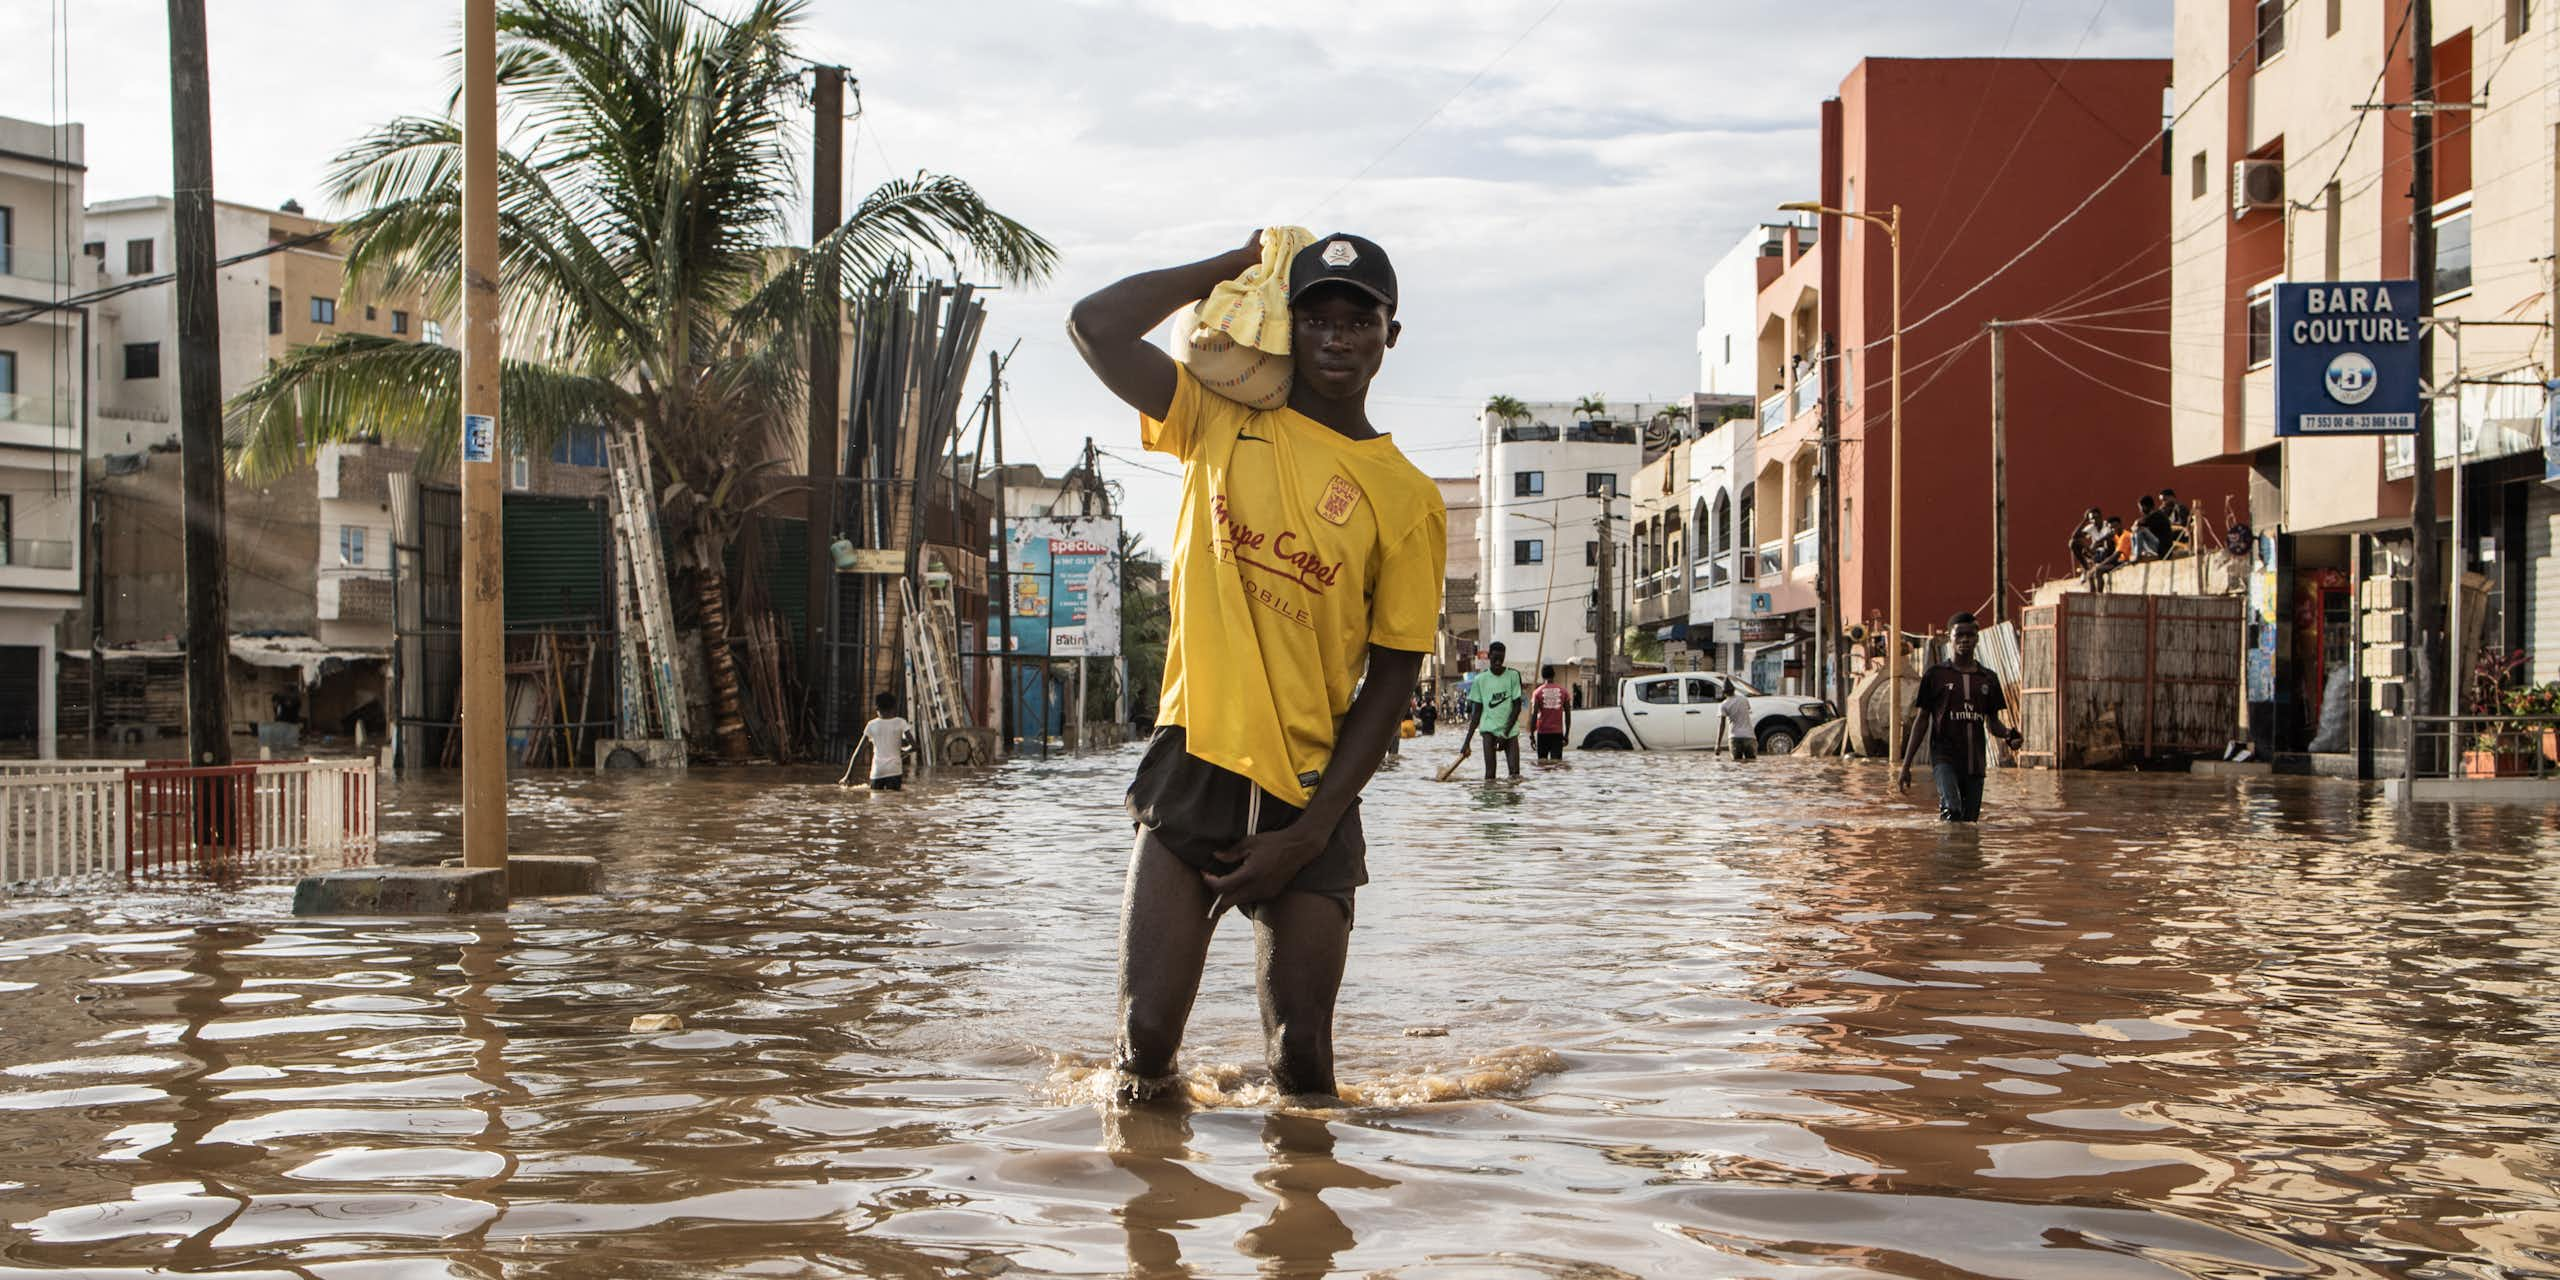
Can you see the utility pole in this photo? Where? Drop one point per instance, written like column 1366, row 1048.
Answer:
column 1604, row 693
column 1004, row 556
column 1999, row 471
column 1827, row 627
column 2426, row 587
column 826, row 211
column 199, row 390
column 484, row 681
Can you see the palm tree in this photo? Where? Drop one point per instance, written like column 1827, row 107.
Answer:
column 1506, row 408
column 1591, row 406
column 644, row 277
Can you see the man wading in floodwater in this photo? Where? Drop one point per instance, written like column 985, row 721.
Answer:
column 1309, row 553
column 1958, row 700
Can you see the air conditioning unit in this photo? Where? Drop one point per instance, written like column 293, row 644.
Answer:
column 2256, row 184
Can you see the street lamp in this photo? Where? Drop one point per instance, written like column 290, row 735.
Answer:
column 1891, row 221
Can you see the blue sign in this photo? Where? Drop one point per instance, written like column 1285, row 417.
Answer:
column 1760, row 602
column 479, row 438
column 2346, row 355
column 2551, row 431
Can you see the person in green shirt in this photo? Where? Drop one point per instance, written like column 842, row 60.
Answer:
column 1497, row 700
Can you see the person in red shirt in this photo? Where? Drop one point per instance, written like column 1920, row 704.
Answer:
column 1550, row 714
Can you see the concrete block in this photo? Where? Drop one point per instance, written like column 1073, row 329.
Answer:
column 2231, row 768
column 401, row 891
column 553, row 875
column 638, row 753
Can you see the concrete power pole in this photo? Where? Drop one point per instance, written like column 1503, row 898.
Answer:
column 826, row 211
column 199, row 390
column 1999, row 472
column 484, row 681
column 2426, row 586
column 1002, row 598
column 1604, row 693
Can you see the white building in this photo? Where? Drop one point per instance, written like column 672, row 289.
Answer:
column 1728, row 358
column 41, row 414
column 1722, row 462
column 1460, row 629
column 1545, row 479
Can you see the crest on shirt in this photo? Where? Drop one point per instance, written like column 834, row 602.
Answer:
column 1341, row 497
column 1340, row 254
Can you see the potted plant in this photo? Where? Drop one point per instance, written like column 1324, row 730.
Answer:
column 2495, row 751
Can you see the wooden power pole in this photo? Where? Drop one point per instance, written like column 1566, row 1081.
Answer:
column 1002, row 599
column 484, row 681
column 1604, row 693
column 199, row 390
column 826, row 211
column 1999, row 472
column 2426, row 586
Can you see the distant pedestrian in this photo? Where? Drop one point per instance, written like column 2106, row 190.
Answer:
column 1426, row 714
column 1495, row 711
column 888, row 738
column 1959, row 700
column 1737, row 719
column 1550, row 714
column 2106, row 551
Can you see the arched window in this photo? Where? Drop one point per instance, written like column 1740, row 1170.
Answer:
column 1721, row 523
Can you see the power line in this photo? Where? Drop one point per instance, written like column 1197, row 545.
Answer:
column 77, row 301
column 1435, row 111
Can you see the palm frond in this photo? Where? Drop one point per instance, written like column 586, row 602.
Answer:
column 363, row 387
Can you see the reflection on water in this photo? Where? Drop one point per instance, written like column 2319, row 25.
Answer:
column 1703, row 1020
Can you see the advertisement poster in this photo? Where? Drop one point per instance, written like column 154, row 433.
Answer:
column 1065, row 585
column 2346, row 357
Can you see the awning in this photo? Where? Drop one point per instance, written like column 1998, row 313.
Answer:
column 313, row 658
column 1672, row 630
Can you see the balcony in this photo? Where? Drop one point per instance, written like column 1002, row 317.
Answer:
column 1535, row 431
column 1713, row 572
column 37, row 422
column 1773, row 414
column 36, row 553
column 1805, row 548
column 1770, row 561
column 1601, row 431
column 1808, row 395
column 34, row 264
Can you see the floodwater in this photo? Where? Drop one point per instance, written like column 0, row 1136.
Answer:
column 1702, row 1019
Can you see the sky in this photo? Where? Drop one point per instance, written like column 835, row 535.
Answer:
column 1550, row 177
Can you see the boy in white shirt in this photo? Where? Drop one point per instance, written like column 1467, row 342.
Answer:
column 888, row 738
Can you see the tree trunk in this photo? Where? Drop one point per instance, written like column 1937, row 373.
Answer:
column 728, row 724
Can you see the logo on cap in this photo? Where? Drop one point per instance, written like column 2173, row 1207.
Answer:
column 1340, row 254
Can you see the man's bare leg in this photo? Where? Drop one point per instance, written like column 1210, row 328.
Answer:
column 1164, row 941
column 1299, row 943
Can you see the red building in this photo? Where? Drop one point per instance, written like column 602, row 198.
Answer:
column 1991, row 161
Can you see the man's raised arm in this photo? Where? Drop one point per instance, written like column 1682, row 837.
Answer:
column 1110, row 327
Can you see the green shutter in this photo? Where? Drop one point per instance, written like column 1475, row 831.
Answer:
column 555, row 559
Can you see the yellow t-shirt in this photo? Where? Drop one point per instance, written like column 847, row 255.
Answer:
column 1296, row 549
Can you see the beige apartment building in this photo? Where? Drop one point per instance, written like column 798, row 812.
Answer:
column 2292, row 163
column 41, row 416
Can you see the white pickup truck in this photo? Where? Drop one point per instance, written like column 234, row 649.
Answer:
column 1684, row 711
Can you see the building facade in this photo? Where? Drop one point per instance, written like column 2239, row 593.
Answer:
column 1721, row 463
column 1547, row 480
column 2290, row 166
column 43, row 409
column 1460, row 628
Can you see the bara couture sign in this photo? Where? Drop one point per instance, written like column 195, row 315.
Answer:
column 2346, row 357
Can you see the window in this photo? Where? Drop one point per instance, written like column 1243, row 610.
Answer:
column 1524, row 620
column 1659, row 693
column 2262, row 324
column 368, row 311
column 351, row 545
column 1728, row 348
column 1701, row 689
column 2199, row 177
column 2519, row 16
column 1596, row 483
column 430, row 331
column 399, row 321
column 520, row 472
column 580, row 447
column 8, row 522
column 2337, row 16
column 324, row 311
column 1528, row 484
column 275, row 311
column 137, row 257
column 2453, row 252
column 8, row 237
column 8, row 373
column 141, row 360
column 2270, row 29
column 1591, row 555
column 1528, row 551
column 95, row 249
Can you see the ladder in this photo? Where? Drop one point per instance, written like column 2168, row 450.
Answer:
column 933, row 690
column 652, row 669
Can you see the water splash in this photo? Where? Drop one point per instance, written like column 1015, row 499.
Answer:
column 1081, row 1080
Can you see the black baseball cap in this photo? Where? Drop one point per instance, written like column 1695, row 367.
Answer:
column 1340, row 259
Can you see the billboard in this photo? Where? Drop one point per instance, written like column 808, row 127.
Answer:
column 2346, row 356
column 1064, row 579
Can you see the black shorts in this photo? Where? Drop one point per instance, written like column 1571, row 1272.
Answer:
column 1551, row 746
column 893, row 782
column 1197, row 811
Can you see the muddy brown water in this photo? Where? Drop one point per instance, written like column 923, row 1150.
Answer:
column 1703, row 1019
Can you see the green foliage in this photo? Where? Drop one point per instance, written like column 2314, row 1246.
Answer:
column 1506, row 408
